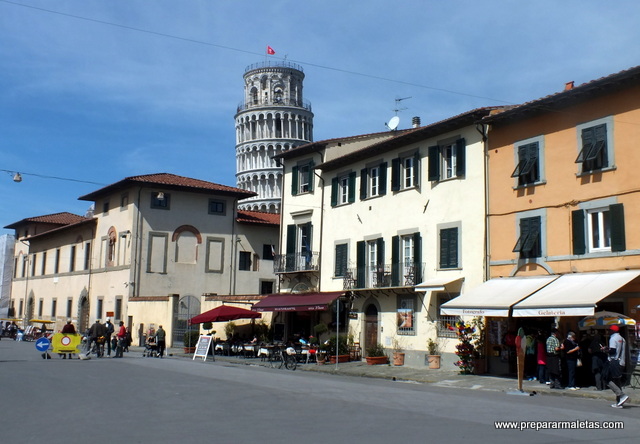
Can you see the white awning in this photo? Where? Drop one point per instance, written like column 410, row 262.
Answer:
column 573, row 294
column 436, row 284
column 495, row 297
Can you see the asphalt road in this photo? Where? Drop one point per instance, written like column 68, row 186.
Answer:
column 149, row 400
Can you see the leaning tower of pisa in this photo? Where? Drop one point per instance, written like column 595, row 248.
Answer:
column 273, row 117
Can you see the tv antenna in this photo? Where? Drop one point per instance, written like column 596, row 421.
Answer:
column 395, row 120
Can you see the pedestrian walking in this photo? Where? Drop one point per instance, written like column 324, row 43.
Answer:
column 614, row 368
column 161, row 341
column 554, row 349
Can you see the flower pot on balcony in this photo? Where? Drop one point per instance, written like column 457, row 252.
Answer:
column 434, row 361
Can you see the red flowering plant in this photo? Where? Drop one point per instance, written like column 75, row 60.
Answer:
column 465, row 349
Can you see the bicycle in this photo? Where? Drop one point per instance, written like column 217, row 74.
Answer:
column 284, row 356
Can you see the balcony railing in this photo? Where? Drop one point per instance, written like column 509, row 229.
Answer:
column 383, row 275
column 290, row 263
column 305, row 104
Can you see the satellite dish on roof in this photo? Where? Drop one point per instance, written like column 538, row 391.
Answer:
column 393, row 123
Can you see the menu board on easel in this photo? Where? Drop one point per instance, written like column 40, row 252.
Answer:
column 202, row 347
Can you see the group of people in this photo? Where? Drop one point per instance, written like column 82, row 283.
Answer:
column 101, row 336
column 10, row 329
column 557, row 357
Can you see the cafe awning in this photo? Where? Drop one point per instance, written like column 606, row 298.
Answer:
column 297, row 301
column 436, row 284
column 495, row 296
column 573, row 294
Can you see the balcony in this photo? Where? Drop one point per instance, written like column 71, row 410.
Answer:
column 274, row 102
column 383, row 276
column 292, row 263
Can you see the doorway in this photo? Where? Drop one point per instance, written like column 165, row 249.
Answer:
column 371, row 322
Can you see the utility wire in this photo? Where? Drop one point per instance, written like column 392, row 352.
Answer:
column 52, row 177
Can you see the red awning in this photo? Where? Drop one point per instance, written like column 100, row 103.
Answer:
column 297, row 302
column 224, row 313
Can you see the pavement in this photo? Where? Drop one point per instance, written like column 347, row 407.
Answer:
column 442, row 377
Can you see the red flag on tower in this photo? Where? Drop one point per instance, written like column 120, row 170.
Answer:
column 270, row 50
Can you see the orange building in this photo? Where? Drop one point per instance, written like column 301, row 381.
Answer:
column 563, row 211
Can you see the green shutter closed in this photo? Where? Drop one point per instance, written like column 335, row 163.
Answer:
column 417, row 257
column 434, row 163
column 382, row 182
column 618, row 240
column 352, row 187
column 294, row 181
column 334, row 191
column 363, row 183
column 461, row 148
column 341, row 260
column 578, row 232
column 395, row 261
column 290, row 258
column 395, row 174
column 360, row 264
column 310, row 176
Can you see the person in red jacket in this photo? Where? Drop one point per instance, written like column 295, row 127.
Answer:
column 122, row 334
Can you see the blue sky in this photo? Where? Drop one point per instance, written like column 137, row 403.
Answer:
column 98, row 90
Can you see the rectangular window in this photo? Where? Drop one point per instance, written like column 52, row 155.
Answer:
column 373, row 181
column 408, row 172
column 99, row 308
column 404, row 172
column 33, row 264
column 118, row 311
column 124, row 201
column 40, row 308
column 56, row 264
column 341, row 260
column 406, row 322
column 266, row 287
column 216, row 207
column 302, row 178
column 105, row 207
column 407, row 255
column 69, row 308
column 72, row 258
column 374, row 178
column 594, row 154
column 598, row 229
column 527, row 170
column 449, row 248
column 160, row 200
column 54, row 308
column 444, row 322
column 343, row 189
column 529, row 243
column 44, row 263
column 87, row 255
column 447, row 160
column 25, row 261
column 244, row 261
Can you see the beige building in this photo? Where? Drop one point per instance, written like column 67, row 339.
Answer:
column 154, row 247
column 390, row 224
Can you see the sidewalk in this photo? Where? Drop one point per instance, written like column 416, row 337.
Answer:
column 441, row 377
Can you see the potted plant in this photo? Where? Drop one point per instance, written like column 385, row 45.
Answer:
column 338, row 349
column 398, row 352
column 376, row 355
column 190, row 339
column 465, row 348
column 433, row 356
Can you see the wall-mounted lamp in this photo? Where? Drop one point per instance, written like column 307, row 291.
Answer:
column 17, row 177
column 160, row 196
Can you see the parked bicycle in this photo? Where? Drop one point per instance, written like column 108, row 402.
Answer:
column 284, row 356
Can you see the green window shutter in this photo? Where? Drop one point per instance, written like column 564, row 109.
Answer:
column 461, row 148
column 341, row 260
column 352, row 187
column 334, row 191
column 395, row 174
column 618, row 240
column 395, row 261
column 294, row 181
column 434, row 163
column 380, row 253
column 382, row 179
column 363, row 183
column 449, row 248
column 290, row 258
column 360, row 263
column 588, row 142
column 310, row 176
column 578, row 231
column 417, row 256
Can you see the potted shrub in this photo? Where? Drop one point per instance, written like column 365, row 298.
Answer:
column 376, row 355
column 190, row 339
column 479, row 357
column 465, row 348
column 338, row 346
column 398, row 352
column 229, row 329
column 433, row 356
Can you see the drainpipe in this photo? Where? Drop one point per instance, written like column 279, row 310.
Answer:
column 483, row 130
column 232, row 270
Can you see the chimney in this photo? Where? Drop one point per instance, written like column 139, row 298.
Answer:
column 415, row 122
column 568, row 86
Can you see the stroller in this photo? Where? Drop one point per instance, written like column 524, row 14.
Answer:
column 150, row 348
